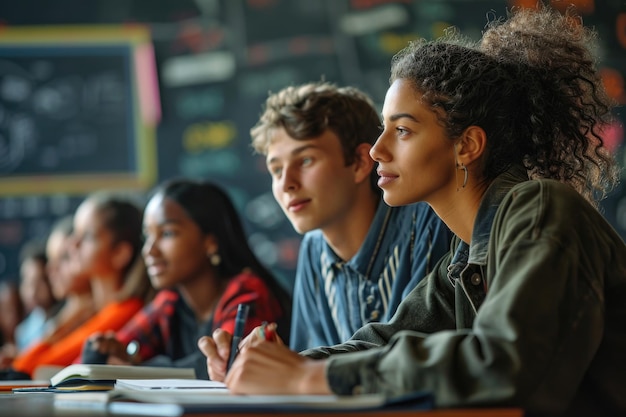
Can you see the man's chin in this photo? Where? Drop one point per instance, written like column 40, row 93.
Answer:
column 302, row 227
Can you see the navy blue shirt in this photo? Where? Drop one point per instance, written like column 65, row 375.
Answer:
column 332, row 298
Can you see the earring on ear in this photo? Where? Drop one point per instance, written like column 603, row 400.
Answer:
column 460, row 166
column 214, row 258
column 464, row 168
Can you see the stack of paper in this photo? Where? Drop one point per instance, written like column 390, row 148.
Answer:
column 175, row 397
column 170, row 385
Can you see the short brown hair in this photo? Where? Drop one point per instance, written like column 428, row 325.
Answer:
column 308, row 110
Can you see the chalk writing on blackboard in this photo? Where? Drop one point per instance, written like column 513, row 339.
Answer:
column 71, row 117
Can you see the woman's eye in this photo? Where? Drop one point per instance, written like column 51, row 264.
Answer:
column 307, row 161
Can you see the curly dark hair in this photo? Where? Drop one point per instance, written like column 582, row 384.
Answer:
column 532, row 85
column 308, row 110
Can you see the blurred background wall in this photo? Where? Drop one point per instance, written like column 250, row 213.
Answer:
column 171, row 88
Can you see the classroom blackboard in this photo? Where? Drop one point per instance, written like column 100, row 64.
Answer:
column 216, row 62
column 80, row 118
column 70, row 116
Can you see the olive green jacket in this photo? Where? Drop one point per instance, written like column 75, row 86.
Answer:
column 532, row 314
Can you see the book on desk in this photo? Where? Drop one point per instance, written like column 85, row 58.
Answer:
column 90, row 377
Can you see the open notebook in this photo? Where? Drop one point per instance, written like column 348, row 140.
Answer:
column 172, row 397
column 84, row 377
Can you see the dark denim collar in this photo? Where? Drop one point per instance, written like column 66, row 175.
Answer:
column 476, row 252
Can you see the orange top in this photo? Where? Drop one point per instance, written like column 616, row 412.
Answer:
column 66, row 350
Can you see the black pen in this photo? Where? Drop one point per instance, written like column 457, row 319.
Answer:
column 240, row 325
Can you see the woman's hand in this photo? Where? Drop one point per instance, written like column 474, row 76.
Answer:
column 106, row 344
column 264, row 367
column 217, row 348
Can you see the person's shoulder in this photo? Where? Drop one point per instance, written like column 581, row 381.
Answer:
column 551, row 206
column 242, row 285
column 549, row 194
column 537, row 185
column 313, row 240
column 246, row 277
column 313, row 236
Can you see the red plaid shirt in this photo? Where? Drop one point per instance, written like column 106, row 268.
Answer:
column 152, row 327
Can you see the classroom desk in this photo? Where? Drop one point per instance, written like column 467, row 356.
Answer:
column 42, row 405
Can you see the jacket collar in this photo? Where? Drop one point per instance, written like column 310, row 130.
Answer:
column 476, row 252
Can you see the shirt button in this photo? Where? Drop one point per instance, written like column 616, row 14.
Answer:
column 476, row 279
column 374, row 315
column 369, row 299
column 357, row 390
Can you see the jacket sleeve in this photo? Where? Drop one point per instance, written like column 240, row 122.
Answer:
column 429, row 306
column 145, row 326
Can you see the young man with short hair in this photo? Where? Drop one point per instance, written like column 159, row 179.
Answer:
column 359, row 257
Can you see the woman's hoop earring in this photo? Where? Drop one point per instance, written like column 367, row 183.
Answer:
column 463, row 167
column 465, row 175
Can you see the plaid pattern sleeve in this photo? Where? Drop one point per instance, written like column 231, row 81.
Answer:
column 246, row 288
column 151, row 326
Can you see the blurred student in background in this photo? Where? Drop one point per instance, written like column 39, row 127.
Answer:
column 359, row 257
column 107, row 243
column 36, row 293
column 68, row 282
column 198, row 256
column 11, row 314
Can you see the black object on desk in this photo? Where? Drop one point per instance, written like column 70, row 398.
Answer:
column 240, row 326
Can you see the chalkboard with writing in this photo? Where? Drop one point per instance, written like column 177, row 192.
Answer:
column 69, row 114
column 69, row 111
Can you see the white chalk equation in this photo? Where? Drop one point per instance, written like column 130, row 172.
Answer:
column 59, row 114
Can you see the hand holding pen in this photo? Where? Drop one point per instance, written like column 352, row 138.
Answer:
column 221, row 348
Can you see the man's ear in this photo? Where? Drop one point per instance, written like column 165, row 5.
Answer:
column 471, row 145
column 363, row 162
